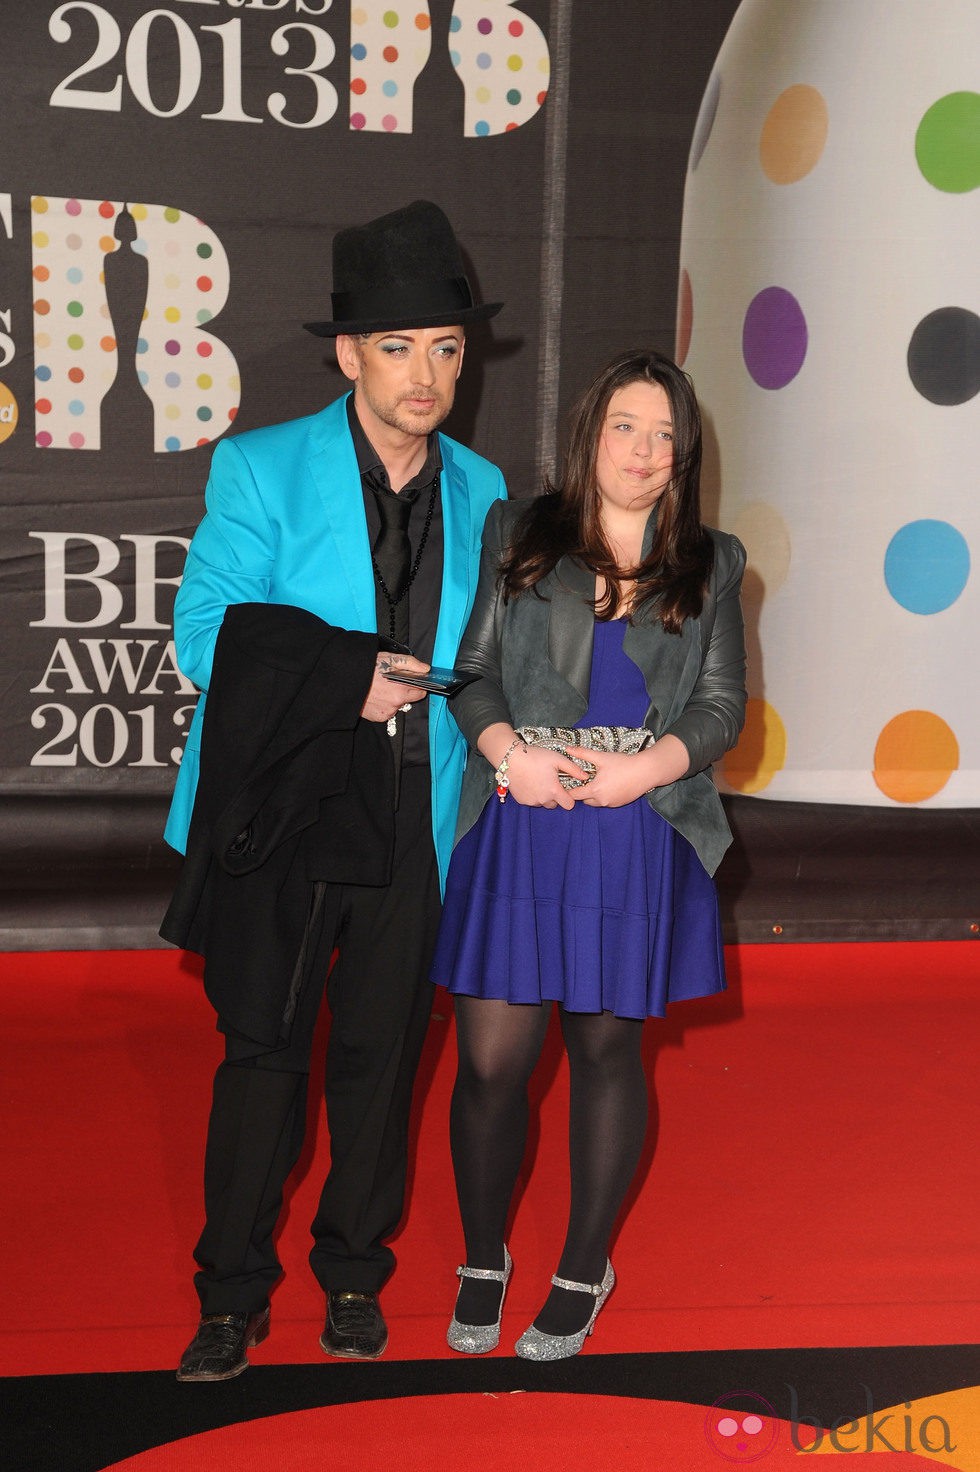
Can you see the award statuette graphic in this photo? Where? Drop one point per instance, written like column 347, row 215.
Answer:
column 127, row 412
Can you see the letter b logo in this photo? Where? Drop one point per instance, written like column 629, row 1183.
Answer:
column 121, row 299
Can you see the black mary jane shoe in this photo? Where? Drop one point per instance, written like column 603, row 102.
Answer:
column 355, row 1328
column 217, row 1351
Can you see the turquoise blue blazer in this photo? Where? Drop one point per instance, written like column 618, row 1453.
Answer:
column 285, row 524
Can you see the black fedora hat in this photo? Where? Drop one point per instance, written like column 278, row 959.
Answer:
column 402, row 270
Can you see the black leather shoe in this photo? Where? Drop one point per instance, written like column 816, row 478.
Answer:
column 217, row 1351
column 355, row 1328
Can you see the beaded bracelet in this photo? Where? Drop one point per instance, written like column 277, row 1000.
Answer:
column 500, row 775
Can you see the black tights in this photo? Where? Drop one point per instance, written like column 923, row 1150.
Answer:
column 499, row 1045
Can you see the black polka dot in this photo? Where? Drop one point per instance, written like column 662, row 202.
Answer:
column 944, row 356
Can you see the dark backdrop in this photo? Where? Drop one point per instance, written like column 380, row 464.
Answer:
column 115, row 379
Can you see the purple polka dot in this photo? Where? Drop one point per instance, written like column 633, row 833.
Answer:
column 484, row 26
column 774, row 338
column 43, row 439
column 172, row 347
column 357, row 120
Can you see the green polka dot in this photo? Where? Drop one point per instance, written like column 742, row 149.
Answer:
column 513, row 96
column 390, row 19
column 75, row 309
column 204, row 251
column 947, row 144
column 171, row 215
column 76, row 341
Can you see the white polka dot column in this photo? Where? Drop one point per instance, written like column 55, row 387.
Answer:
column 828, row 313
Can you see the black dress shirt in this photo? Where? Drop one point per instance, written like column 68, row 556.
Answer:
column 425, row 594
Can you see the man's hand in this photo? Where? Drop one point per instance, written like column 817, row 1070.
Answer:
column 385, row 696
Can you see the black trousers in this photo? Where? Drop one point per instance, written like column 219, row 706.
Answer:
column 380, row 999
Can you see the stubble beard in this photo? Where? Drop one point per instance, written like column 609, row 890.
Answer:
column 412, row 422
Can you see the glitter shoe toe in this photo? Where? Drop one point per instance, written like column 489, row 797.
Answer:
column 535, row 1344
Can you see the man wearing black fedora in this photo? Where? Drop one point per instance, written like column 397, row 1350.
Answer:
column 316, row 801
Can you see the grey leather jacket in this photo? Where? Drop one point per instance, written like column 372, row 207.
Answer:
column 534, row 659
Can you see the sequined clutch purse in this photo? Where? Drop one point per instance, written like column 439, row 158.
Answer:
column 627, row 739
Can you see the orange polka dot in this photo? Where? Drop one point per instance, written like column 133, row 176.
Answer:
column 915, row 756
column 76, row 375
column 761, row 749
column 41, row 307
column 43, row 406
column 41, row 273
column 358, row 86
column 794, row 134
column 107, row 209
column 204, row 283
column 106, row 245
column 390, row 53
column 107, row 344
column 422, row 21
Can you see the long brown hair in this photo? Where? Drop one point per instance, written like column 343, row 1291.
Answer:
column 566, row 522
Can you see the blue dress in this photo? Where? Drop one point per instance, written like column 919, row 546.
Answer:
column 601, row 909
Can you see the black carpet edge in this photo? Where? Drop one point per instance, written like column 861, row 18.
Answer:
column 84, row 1423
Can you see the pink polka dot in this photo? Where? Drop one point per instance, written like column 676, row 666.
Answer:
column 76, row 440
column 357, row 120
column 204, row 350
column 72, row 207
column 389, row 122
column 43, row 439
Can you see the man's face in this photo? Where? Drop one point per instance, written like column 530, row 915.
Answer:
column 405, row 380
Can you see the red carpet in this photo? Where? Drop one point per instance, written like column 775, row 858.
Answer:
column 814, row 1181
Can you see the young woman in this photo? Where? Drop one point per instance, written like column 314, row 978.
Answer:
column 603, row 604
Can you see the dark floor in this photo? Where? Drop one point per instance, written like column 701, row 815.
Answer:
column 84, row 872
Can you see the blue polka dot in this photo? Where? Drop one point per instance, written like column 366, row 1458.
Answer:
column 142, row 346
column 455, row 58
column 481, row 129
column 172, row 380
column 359, row 51
column 143, row 377
column 171, row 442
column 42, row 373
column 484, row 60
column 927, row 565
column 74, row 275
column 390, row 89
column 76, row 407
column 455, row 24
